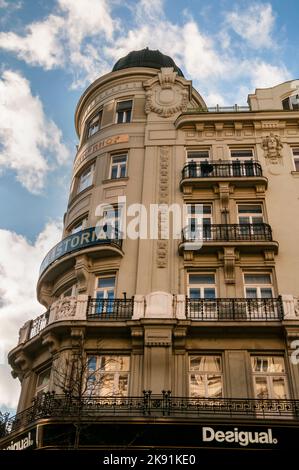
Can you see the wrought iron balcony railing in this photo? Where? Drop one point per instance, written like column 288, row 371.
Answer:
column 235, row 169
column 60, row 406
column 234, row 309
column 110, row 309
column 38, row 324
column 227, row 232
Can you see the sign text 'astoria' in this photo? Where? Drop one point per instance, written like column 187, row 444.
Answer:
column 86, row 238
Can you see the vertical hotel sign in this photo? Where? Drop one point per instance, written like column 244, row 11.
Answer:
column 116, row 139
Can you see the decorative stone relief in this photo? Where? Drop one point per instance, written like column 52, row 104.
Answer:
column 157, row 337
column 163, row 196
column 272, row 147
column 166, row 94
column 229, row 259
column 64, row 308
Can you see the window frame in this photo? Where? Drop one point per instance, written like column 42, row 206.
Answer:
column 118, row 165
column 99, row 115
column 99, row 371
column 83, row 222
column 90, row 167
column 269, row 376
column 124, row 120
column 45, row 388
column 201, row 286
column 206, row 375
column 250, row 214
column 205, row 219
column 258, row 286
column 198, row 159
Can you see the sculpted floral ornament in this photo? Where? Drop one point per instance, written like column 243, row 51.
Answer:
column 65, row 308
column 166, row 94
column 272, row 146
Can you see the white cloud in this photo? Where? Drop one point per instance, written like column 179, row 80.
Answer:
column 265, row 75
column 27, row 137
column 59, row 39
column 254, row 25
column 19, row 266
column 13, row 4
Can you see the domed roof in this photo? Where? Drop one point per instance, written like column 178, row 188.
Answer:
column 146, row 58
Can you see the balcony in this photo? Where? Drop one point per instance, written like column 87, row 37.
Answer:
column 91, row 409
column 206, row 174
column 251, row 237
column 93, row 240
column 38, row 324
column 110, row 309
column 234, row 309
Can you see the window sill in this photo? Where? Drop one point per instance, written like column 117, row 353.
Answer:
column 295, row 173
column 115, row 180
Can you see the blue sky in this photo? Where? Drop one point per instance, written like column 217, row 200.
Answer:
column 51, row 50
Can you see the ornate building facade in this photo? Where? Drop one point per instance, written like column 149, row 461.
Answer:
column 183, row 341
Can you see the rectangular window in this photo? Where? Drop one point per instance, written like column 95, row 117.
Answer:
column 94, row 124
column 197, row 155
column 79, row 226
column 108, row 376
column 242, row 162
column 86, row 178
column 269, row 377
column 251, row 219
column 296, row 157
column 43, row 381
column 258, row 286
column 241, row 154
column 123, row 111
column 202, row 286
column 205, row 376
column 111, row 223
column 118, row 166
column 105, row 294
column 69, row 292
column 199, row 221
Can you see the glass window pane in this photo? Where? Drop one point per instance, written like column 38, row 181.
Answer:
column 106, row 282
column 257, row 278
column 43, row 378
column 205, row 363
column 251, row 293
column 279, row 388
column 201, row 279
column 194, row 293
column 250, row 208
column 122, row 389
column 261, row 388
column 124, row 105
column 214, row 386
column 245, row 153
column 114, row 172
column 197, row 154
column 266, row 293
column 209, row 293
column 197, row 385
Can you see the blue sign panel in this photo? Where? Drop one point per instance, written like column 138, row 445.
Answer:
column 77, row 241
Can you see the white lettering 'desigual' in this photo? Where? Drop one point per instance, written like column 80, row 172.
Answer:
column 243, row 438
column 21, row 444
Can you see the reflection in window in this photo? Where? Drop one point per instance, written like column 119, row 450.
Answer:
column 108, row 375
column 205, row 376
column 269, row 377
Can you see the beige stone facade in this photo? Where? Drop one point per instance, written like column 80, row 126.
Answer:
column 220, row 322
